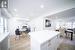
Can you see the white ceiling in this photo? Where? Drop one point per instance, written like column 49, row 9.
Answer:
column 34, row 8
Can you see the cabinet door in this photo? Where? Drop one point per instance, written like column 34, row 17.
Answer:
column 35, row 45
column 44, row 46
column 54, row 43
column 50, row 45
column 4, row 44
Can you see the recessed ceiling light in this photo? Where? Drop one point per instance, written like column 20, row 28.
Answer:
column 15, row 10
column 42, row 6
column 5, row 2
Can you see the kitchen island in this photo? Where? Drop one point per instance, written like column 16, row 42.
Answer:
column 4, row 41
column 44, row 40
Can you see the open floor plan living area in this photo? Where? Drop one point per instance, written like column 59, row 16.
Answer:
column 37, row 24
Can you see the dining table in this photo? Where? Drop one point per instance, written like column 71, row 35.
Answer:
column 69, row 31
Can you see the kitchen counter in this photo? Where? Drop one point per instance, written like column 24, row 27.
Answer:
column 42, row 36
column 45, row 40
column 4, row 44
column 3, row 36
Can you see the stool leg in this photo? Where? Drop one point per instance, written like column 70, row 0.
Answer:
column 71, row 36
column 17, row 37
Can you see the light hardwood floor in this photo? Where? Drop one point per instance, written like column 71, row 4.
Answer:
column 24, row 43
column 20, row 44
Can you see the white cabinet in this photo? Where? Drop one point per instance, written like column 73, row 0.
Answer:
column 4, row 41
column 4, row 44
column 45, row 40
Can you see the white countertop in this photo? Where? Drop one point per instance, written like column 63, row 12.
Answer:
column 3, row 36
column 42, row 36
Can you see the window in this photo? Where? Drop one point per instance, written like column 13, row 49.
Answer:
column 3, row 25
column 68, row 25
column 74, row 25
column 57, row 25
column 3, row 3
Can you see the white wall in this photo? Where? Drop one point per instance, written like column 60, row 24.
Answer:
column 36, row 24
column 13, row 23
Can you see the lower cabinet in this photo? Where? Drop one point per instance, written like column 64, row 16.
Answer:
column 4, row 44
column 51, row 44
